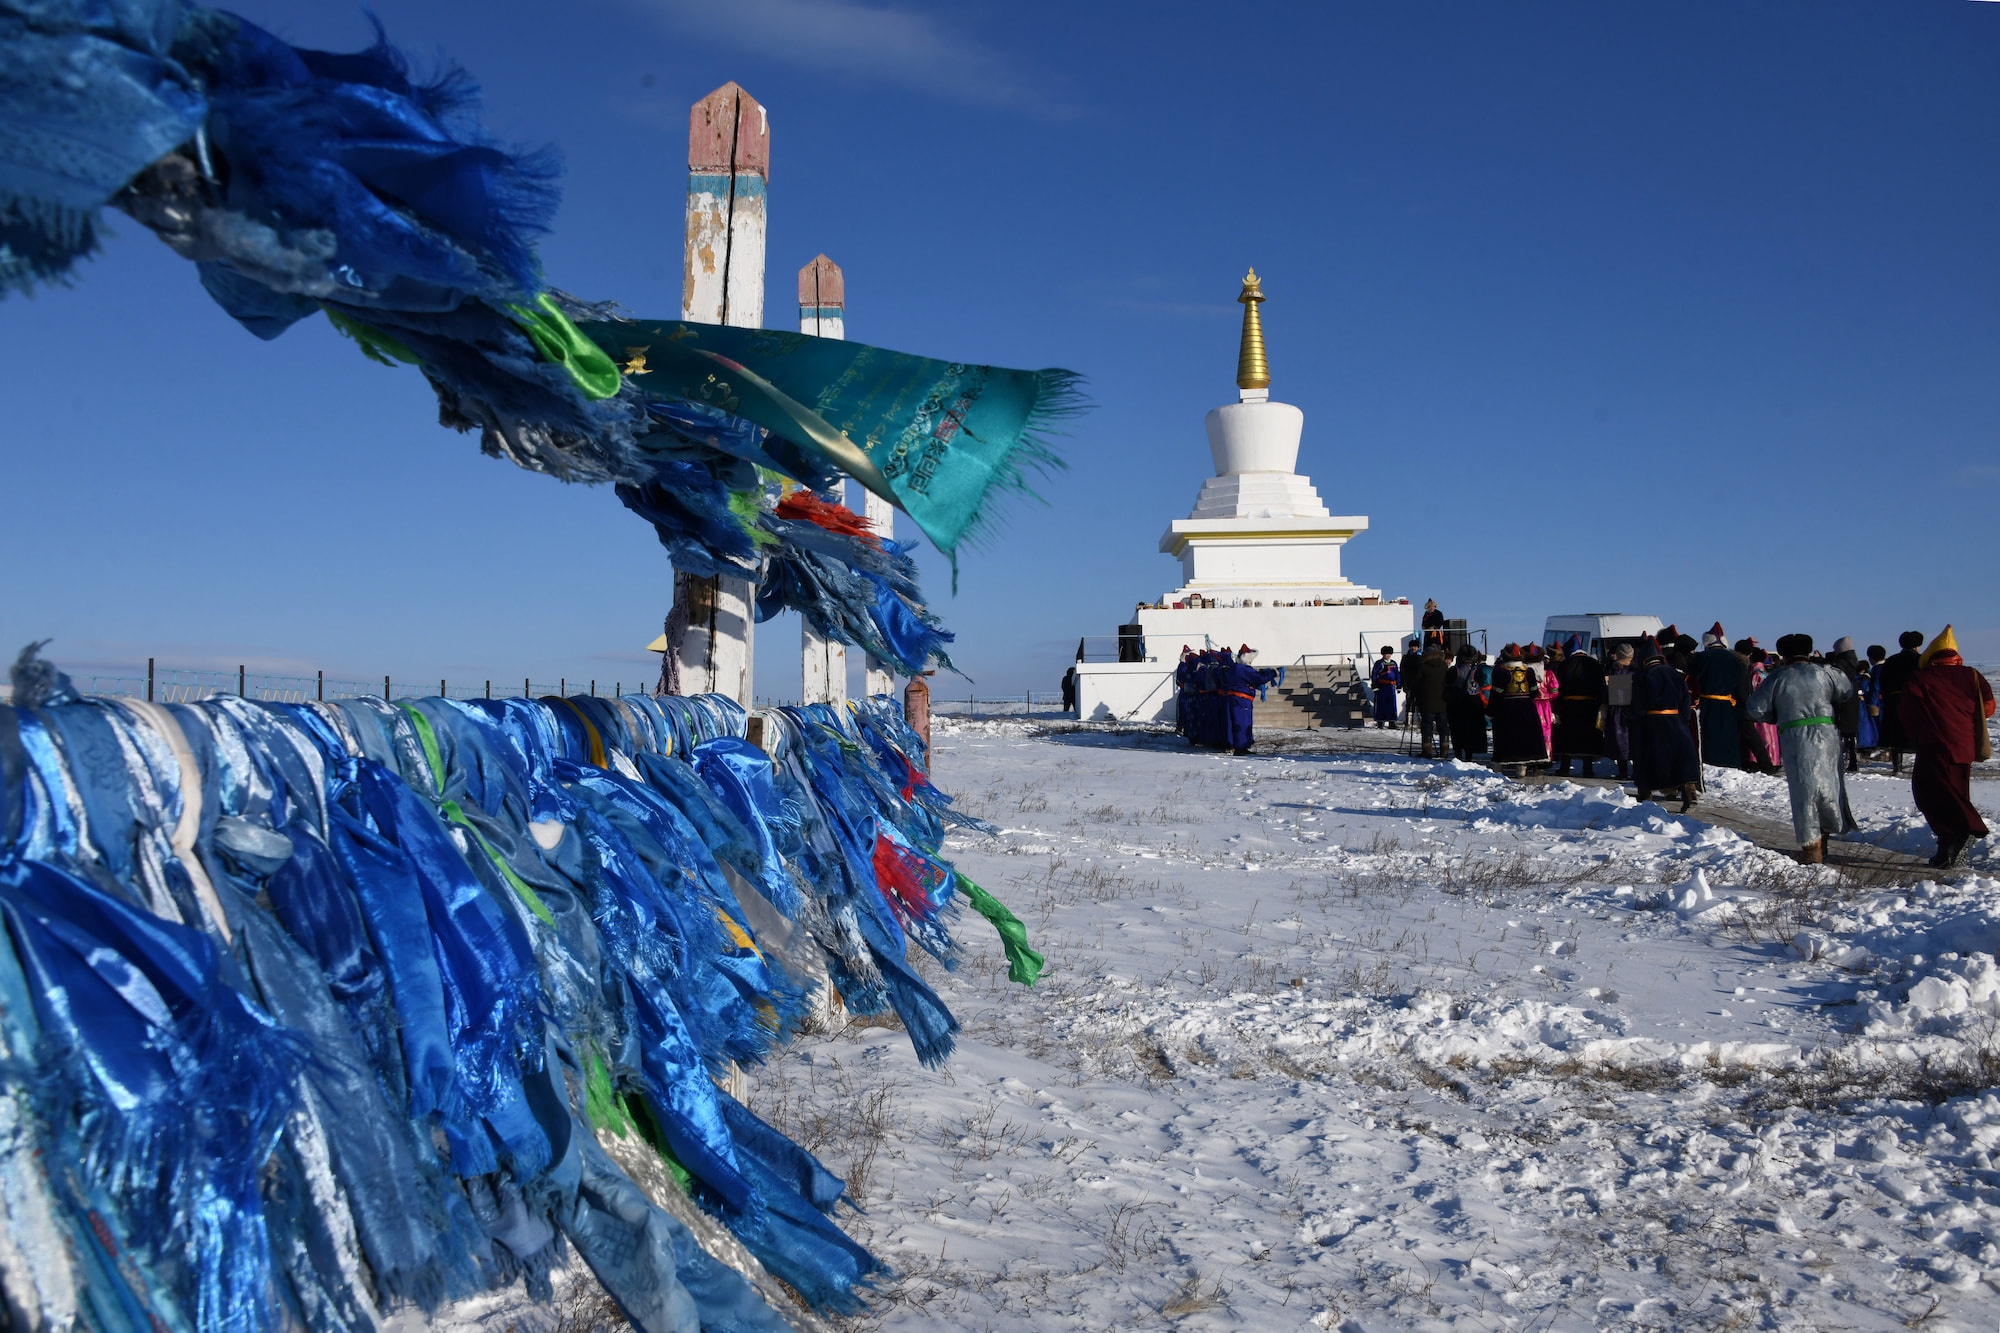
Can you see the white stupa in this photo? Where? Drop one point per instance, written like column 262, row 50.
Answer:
column 1259, row 554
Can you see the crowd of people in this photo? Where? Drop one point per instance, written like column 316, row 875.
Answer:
column 1660, row 707
column 1215, row 692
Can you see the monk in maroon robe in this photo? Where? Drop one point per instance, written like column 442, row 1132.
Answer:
column 1942, row 712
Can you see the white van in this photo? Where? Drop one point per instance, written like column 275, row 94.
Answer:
column 1600, row 631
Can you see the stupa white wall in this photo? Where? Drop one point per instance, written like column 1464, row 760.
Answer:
column 1260, row 560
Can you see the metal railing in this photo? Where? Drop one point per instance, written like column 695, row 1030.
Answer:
column 1022, row 705
column 1109, row 648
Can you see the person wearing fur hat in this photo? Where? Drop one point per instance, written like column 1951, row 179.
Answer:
column 1618, row 678
column 1847, row 717
column 1895, row 674
column 1762, row 750
column 1663, row 754
column 1383, row 678
column 1465, row 702
column 1241, row 682
column 1579, row 709
column 1800, row 699
column 1546, row 660
column 1869, row 738
column 1943, row 712
column 1517, row 724
column 1722, row 680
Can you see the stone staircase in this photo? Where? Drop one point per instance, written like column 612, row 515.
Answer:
column 1323, row 695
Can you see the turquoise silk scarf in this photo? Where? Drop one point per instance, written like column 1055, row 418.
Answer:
column 939, row 439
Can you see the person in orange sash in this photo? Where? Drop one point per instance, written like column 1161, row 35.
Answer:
column 1943, row 712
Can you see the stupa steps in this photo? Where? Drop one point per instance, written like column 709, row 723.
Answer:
column 1311, row 696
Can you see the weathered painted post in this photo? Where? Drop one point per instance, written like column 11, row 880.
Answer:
column 917, row 712
column 822, row 313
column 729, row 162
column 881, row 515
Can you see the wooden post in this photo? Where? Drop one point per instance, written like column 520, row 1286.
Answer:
column 149, row 680
column 877, row 678
column 385, row 689
column 320, row 690
column 443, row 693
column 239, row 680
column 729, row 163
column 917, row 712
column 822, row 313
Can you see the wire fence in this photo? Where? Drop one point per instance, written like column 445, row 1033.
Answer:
column 175, row 686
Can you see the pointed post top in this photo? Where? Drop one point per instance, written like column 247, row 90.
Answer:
column 1253, row 372
column 821, row 284
column 729, row 133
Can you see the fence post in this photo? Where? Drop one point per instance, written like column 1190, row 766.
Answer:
column 971, row 705
column 527, row 688
column 239, row 680
column 562, row 686
column 385, row 689
column 149, row 680
column 489, row 689
column 443, row 693
column 617, row 688
column 320, row 693
column 1028, row 709
column 593, row 689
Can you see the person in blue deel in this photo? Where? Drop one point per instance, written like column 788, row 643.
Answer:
column 1242, row 681
column 1384, row 679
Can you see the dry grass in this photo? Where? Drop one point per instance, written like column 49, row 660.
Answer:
column 585, row 1307
column 1192, row 1297
column 834, row 1112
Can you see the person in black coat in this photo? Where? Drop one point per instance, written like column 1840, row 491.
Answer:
column 1433, row 625
column 1895, row 675
column 1406, row 672
column 1579, row 702
column 1618, row 709
column 1465, row 703
column 1517, row 723
column 1663, row 754
column 1847, row 713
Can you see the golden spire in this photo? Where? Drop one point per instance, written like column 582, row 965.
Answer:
column 1252, row 370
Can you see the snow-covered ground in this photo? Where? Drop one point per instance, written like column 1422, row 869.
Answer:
column 1369, row 1042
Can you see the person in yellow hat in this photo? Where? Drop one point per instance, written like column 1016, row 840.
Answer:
column 1943, row 712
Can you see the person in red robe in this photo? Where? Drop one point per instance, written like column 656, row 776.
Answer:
column 1942, row 715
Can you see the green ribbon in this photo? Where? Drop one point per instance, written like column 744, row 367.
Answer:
column 375, row 345
column 559, row 341
column 1023, row 963
column 601, row 1102
column 562, row 344
column 1805, row 722
column 623, row 1115
column 452, row 811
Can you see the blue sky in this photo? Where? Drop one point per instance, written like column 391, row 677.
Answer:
column 1685, row 309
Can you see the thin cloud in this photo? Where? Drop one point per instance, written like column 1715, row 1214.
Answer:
column 865, row 44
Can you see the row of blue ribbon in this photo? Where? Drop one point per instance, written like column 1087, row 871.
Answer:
column 313, row 1010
